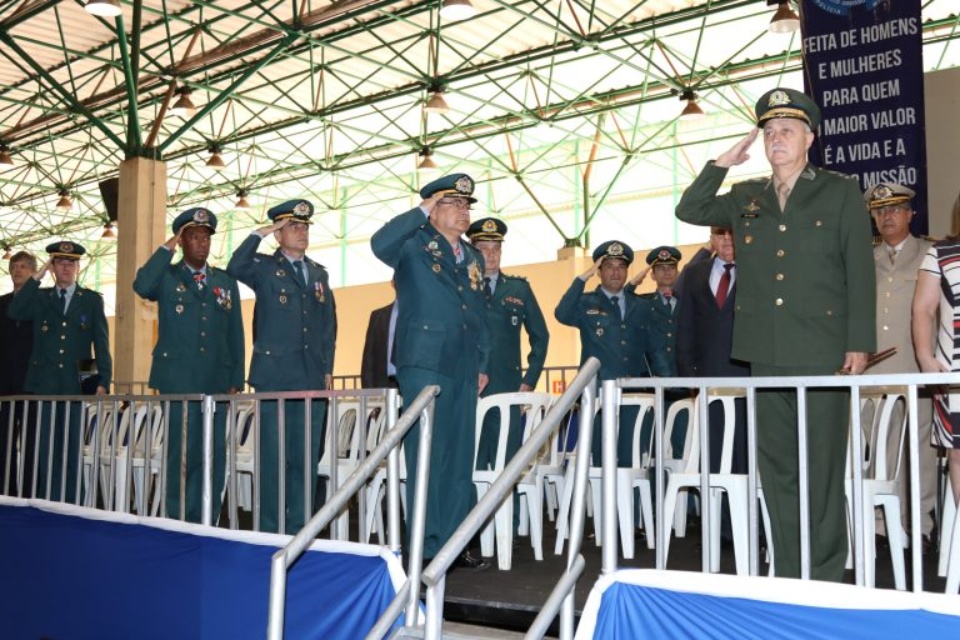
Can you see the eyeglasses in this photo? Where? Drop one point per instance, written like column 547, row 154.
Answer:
column 892, row 209
column 455, row 203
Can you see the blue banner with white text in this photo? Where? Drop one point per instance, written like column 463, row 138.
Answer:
column 863, row 65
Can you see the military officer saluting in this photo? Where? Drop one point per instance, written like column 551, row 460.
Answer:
column 511, row 306
column 806, row 303
column 441, row 339
column 69, row 332
column 199, row 350
column 663, row 263
column 614, row 327
column 294, row 332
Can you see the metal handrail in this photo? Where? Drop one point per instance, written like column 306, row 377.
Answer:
column 434, row 576
column 284, row 558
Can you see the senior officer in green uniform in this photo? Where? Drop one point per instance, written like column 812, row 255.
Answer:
column 614, row 327
column 69, row 326
column 199, row 350
column 805, row 305
column 441, row 339
column 510, row 306
column 295, row 332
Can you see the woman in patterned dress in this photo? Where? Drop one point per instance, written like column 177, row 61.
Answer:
column 938, row 287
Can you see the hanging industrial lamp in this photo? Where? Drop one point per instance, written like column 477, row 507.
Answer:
column 426, row 163
column 242, row 200
column 183, row 107
column 457, row 10
column 784, row 19
column 5, row 157
column 436, row 103
column 103, row 8
column 109, row 233
column 215, row 162
column 64, row 203
column 692, row 110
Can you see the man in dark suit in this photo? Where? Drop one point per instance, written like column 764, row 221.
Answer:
column 69, row 332
column 377, row 368
column 705, row 341
column 199, row 350
column 294, row 344
column 16, row 343
column 442, row 339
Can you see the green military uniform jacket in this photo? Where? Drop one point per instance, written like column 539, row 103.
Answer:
column 441, row 324
column 663, row 322
column 200, row 344
column 61, row 342
column 806, row 290
column 511, row 307
column 295, row 324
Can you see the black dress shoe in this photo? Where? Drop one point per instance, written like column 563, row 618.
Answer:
column 468, row 561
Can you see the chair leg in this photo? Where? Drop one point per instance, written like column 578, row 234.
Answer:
column 625, row 516
column 563, row 515
column 669, row 509
column 596, row 490
column 535, row 506
column 646, row 511
column 503, row 520
column 891, row 518
column 523, row 527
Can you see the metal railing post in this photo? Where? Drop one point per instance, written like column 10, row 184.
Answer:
column 610, row 410
column 209, row 408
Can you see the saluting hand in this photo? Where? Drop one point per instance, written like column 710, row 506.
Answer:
column 38, row 276
column 174, row 239
column 589, row 273
column 737, row 154
column 638, row 279
column 430, row 202
column 270, row 228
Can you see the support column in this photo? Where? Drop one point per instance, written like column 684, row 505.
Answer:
column 141, row 221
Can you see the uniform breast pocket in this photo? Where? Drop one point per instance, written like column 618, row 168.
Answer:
column 816, row 234
column 513, row 315
column 599, row 324
column 747, row 234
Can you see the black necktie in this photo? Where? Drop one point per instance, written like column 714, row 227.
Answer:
column 616, row 303
column 487, row 289
column 63, row 301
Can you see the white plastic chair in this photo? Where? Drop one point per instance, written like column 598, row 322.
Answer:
column 636, row 477
column 881, row 486
column 530, row 484
column 243, row 426
column 100, row 418
column 687, row 478
column 141, row 462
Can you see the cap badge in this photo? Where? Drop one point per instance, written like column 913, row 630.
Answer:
column 66, row 247
column 489, row 226
column 882, row 192
column 302, row 209
column 616, row 250
column 201, row 216
column 664, row 254
column 464, row 185
column 778, row 98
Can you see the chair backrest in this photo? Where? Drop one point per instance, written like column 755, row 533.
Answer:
column 889, row 417
column 533, row 406
column 642, row 442
column 691, row 442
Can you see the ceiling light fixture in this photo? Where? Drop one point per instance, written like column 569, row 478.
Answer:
column 457, row 10
column 426, row 164
column 436, row 102
column 64, row 202
column 5, row 155
column 216, row 162
column 183, row 107
column 242, row 200
column 692, row 111
column 6, row 254
column 103, row 8
column 784, row 20
column 109, row 233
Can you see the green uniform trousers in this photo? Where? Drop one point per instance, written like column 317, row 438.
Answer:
column 299, row 483
column 187, row 466
column 450, row 491
column 777, row 451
